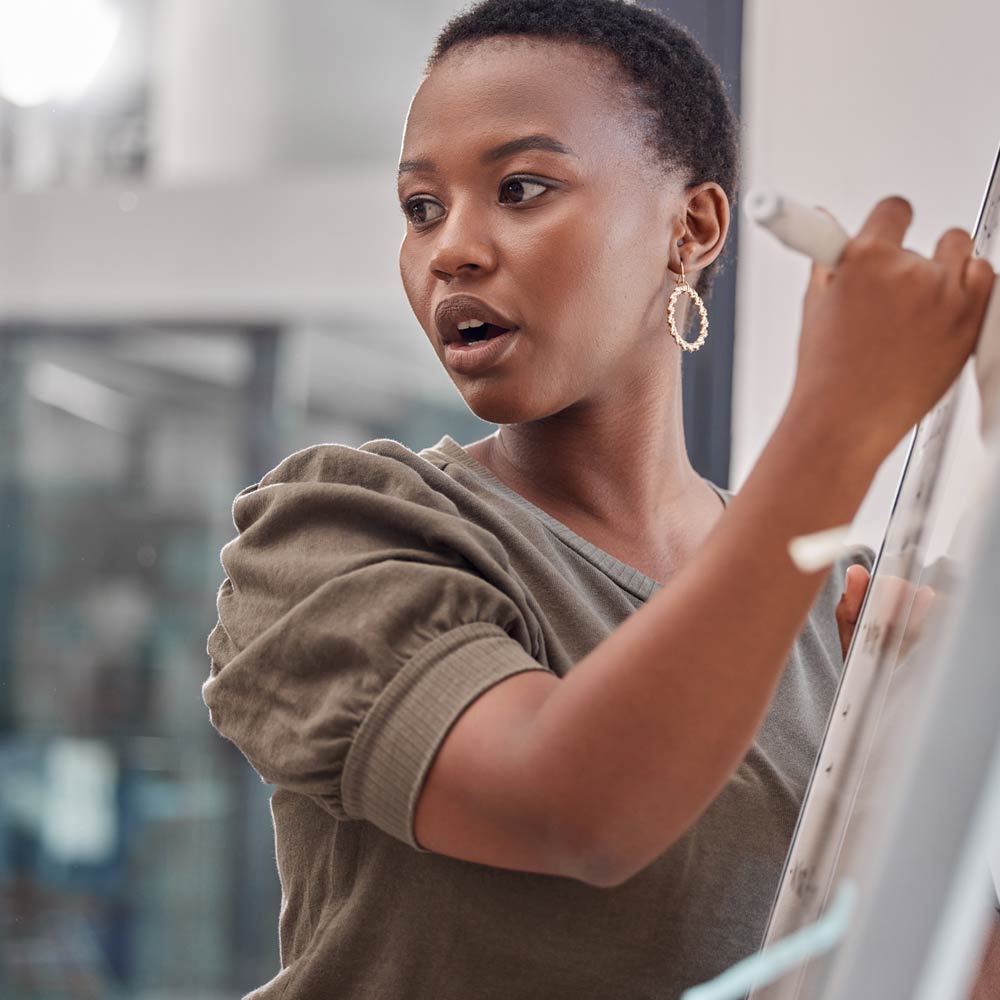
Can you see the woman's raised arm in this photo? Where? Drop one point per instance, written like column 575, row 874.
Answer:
column 594, row 775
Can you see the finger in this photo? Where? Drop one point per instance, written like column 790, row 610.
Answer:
column 923, row 601
column 855, row 586
column 819, row 276
column 845, row 629
column 842, row 610
column 977, row 283
column 849, row 606
column 923, row 605
column 888, row 220
column 953, row 249
column 978, row 276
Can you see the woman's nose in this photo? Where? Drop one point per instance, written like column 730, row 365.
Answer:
column 462, row 243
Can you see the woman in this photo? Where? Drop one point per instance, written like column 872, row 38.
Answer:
column 541, row 710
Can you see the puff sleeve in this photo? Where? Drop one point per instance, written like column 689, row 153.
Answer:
column 359, row 616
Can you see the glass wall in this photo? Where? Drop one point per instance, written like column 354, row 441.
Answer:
column 136, row 854
column 199, row 238
column 124, row 822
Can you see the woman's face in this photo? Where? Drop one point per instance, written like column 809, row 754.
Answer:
column 572, row 247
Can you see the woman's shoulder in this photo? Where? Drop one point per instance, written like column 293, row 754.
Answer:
column 380, row 466
column 376, row 464
column 379, row 493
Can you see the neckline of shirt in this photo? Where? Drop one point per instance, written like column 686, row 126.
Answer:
column 632, row 579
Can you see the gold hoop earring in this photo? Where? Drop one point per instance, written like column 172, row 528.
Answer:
column 683, row 288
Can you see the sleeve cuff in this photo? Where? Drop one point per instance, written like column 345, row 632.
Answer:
column 402, row 731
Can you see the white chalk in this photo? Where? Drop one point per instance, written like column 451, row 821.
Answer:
column 808, row 230
column 823, row 548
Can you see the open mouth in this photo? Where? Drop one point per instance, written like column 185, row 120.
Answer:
column 479, row 349
column 485, row 332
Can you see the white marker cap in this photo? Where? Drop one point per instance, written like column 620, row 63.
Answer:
column 823, row 548
column 808, row 230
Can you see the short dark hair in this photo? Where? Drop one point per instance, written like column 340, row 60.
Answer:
column 693, row 128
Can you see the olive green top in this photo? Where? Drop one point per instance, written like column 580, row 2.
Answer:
column 371, row 595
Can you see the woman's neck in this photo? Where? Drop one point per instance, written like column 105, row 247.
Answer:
column 626, row 478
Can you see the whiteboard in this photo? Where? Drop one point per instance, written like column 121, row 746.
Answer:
column 918, row 577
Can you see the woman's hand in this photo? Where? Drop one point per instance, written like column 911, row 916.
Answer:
column 897, row 604
column 886, row 331
column 849, row 606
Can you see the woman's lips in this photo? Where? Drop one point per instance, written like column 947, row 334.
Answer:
column 467, row 359
column 455, row 308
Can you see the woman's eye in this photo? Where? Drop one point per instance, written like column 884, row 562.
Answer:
column 420, row 211
column 518, row 187
column 416, row 211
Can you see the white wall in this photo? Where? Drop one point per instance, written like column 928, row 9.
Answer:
column 252, row 87
column 842, row 105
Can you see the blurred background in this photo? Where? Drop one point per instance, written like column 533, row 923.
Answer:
column 198, row 276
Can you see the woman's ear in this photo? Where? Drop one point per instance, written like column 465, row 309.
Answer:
column 706, row 223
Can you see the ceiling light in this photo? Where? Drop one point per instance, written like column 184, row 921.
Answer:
column 50, row 50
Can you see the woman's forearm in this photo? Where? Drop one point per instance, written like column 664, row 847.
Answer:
column 672, row 699
column 595, row 774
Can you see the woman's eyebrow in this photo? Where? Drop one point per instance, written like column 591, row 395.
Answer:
column 505, row 149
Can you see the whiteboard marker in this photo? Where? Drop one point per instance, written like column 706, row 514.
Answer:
column 818, row 235
column 811, row 231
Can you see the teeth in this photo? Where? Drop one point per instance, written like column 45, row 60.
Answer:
column 470, row 324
